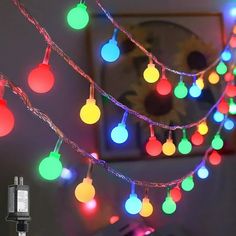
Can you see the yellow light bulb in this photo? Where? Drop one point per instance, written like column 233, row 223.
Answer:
column 90, row 112
column 168, row 147
column 147, row 208
column 214, row 78
column 200, row 83
column 203, row 128
column 151, row 73
column 85, row 191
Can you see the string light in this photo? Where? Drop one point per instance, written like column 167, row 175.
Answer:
column 50, row 168
column 90, row 112
column 203, row 128
column 78, row 17
column 228, row 77
column 168, row 147
column 221, row 68
column 85, row 191
column 232, row 42
column 153, row 146
column 195, row 91
column 232, row 107
column 223, row 107
column 200, row 83
column 176, row 194
column 133, row 205
column 66, row 174
column 168, row 206
column 181, row 91
column 229, row 124
column 184, row 147
column 151, row 73
column 120, row 134
column 147, row 208
column 217, row 142
column 213, row 78
column 188, row 184
column 215, row 158
column 230, row 90
column 218, row 117
column 197, row 139
column 226, row 55
column 41, row 78
column 163, row 86
column 203, row 172
column 110, row 51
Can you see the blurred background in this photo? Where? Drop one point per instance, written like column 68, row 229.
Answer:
column 208, row 210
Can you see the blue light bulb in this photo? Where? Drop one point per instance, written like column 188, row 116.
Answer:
column 195, row 91
column 119, row 134
column 218, row 117
column 203, row 172
column 66, row 174
column 133, row 205
column 226, row 55
column 229, row 124
column 233, row 12
column 110, row 51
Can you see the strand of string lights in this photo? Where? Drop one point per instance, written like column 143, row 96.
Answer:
column 75, row 67
column 46, row 119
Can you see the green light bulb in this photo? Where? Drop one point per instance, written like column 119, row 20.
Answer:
column 78, row 17
column 169, row 206
column 221, row 69
column 181, row 90
column 232, row 107
column 184, row 147
column 234, row 71
column 217, row 143
column 187, row 184
column 50, row 167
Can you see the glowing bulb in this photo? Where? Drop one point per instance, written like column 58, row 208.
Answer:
column 169, row 206
column 203, row 128
column 119, row 134
column 153, row 146
column 228, row 77
column 232, row 106
column 147, row 208
column 218, row 117
column 50, row 168
column 133, row 205
column 163, row 87
column 229, row 124
column 223, row 107
column 90, row 112
column 110, row 51
column 66, row 174
column 232, row 42
column 85, row 192
column 184, row 147
column 215, row 158
column 233, row 12
column 203, row 172
column 78, row 17
column 214, row 78
column 41, row 79
column 168, row 147
column 221, row 68
column 200, row 83
column 187, row 184
column 217, row 142
column 91, row 205
column 151, row 73
column 7, row 119
column 197, row 139
column 195, row 91
column 176, row 194
column 226, row 55
column 181, row 90
column 230, row 90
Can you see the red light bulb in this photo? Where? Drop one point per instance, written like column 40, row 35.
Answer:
column 164, row 87
column 223, row 107
column 41, row 79
column 215, row 158
column 231, row 90
column 197, row 139
column 232, row 42
column 7, row 119
column 176, row 194
column 153, row 146
column 229, row 77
